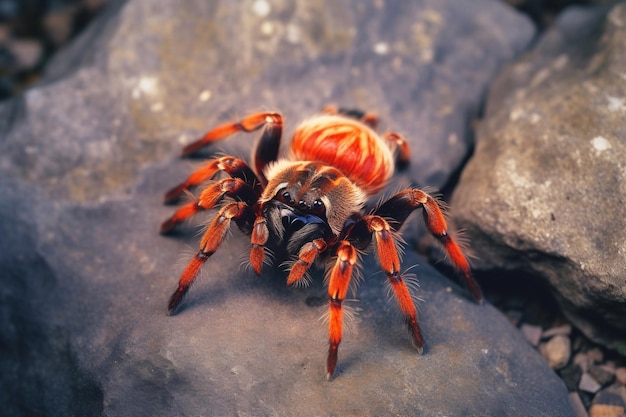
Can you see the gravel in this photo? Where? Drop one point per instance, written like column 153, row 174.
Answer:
column 594, row 375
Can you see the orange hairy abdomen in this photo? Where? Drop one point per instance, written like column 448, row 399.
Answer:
column 353, row 148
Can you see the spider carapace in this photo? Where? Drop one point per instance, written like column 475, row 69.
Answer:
column 310, row 205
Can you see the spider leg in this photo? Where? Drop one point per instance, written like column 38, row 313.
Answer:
column 398, row 208
column 370, row 119
column 306, row 256
column 235, row 167
column 267, row 147
column 210, row 196
column 338, row 284
column 259, row 237
column 401, row 148
column 211, row 240
column 390, row 263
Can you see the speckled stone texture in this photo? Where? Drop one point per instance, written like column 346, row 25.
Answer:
column 544, row 194
column 86, row 156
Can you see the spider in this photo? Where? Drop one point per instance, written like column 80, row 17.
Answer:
column 311, row 204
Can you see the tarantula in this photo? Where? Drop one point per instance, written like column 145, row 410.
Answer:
column 310, row 203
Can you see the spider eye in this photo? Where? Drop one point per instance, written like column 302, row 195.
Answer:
column 287, row 197
column 318, row 206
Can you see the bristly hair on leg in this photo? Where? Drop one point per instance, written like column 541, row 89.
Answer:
column 399, row 244
column 412, row 282
column 412, row 285
column 244, row 261
column 306, row 279
column 185, row 256
column 205, row 223
column 351, row 312
column 357, row 278
column 188, row 197
column 357, row 272
column 389, row 192
column 437, row 196
column 463, row 240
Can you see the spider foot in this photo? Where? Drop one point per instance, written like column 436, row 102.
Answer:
column 331, row 361
column 417, row 340
column 175, row 299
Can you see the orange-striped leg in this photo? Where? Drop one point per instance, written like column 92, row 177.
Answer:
column 398, row 208
column 436, row 223
column 307, row 255
column 210, row 196
column 258, row 239
column 390, row 264
column 247, row 124
column 370, row 119
column 267, row 147
column 235, row 167
column 400, row 147
column 211, row 240
column 338, row 284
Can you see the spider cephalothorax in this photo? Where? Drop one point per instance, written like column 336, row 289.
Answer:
column 310, row 204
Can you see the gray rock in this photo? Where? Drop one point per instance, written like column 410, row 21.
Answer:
column 86, row 157
column 544, row 194
column 91, row 282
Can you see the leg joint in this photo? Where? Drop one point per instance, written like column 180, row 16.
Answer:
column 203, row 255
column 334, row 301
column 394, row 277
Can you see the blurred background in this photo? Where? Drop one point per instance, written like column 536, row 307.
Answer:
column 31, row 31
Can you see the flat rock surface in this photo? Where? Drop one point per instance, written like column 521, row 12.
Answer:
column 94, row 281
column 86, row 157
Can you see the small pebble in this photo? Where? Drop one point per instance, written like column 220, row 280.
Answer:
column 612, row 395
column 5, row 33
column 531, row 333
column 93, row 5
column 602, row 410
column 595, row 355
column 588, row 384
column 27, row 52
column 564, row 330
column 602, row 374
column 58, row 25
column 620, row 375
column 577, row 405
column 557, row 351
column 582, row 360
column 571, row 376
